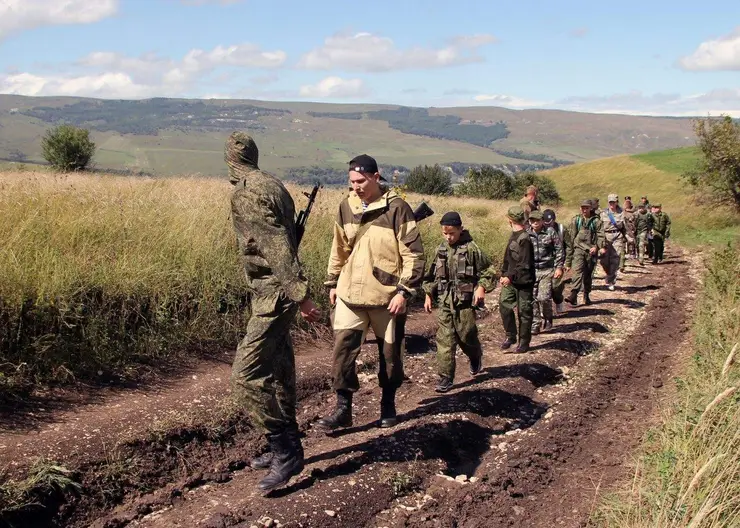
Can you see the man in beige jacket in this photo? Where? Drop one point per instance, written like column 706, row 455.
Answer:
column 377, row 261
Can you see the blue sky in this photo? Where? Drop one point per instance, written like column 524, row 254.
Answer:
column 647, row 57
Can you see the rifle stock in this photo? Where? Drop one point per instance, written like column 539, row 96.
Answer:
column 300, row 223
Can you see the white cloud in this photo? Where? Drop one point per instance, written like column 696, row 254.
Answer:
column 334, row 88
column 21, row 15
column 508, row 101
column 373, row 53
column 108, row 85
column 722, row 53
column 713, row 102
column 112, row 75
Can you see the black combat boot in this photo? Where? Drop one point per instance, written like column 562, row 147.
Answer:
column 507, row 343
column 587, row 299
column 476, row 365
column 388, row 416
column 573, row 298
column 523, row 347
column 443, row 385
column 287, row 460
column 342, row 415
column 261, row 462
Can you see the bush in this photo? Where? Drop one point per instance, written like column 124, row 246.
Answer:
column 429, row 180
column 546, row 190
column 68, row 148
column 487, row 182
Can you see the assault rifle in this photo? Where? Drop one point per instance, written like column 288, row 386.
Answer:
column 422, row 211
column 300, row 223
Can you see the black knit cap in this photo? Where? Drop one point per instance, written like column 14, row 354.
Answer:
column 451, row 219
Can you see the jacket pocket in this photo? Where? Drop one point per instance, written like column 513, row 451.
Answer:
column 385, row 278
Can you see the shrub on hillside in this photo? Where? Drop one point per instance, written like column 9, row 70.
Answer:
column 717, row 178
column 486, row 182
column 429, row 180
column 68, row 148
column 546, row 189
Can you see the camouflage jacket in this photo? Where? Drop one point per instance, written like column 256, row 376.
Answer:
column 614, row 225
column 375, row 253
column 548, row 248
column 263, row 214
column 584, row 234
column 643, row 222
column 630, row 219
column 457, row 270
column 661, row 225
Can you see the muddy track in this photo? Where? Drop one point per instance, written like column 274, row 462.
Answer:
column 532, row 440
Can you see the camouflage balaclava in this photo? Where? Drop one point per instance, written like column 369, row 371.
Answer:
column 241, row 155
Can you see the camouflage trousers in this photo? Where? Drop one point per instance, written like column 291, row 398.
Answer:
column 610, row 261
column 351, row 325
column 628, row 249
column 457, row 326
column 522, row 299
column 542, row 309
column 263, row 373
column 642, row 247
column 583, row 271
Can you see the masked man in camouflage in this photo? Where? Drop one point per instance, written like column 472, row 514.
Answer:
column 263, row 372
column 517, row 281
column 376, row 262
column 459, row 278
column 586, row 242
column 549, row 259
column 661, row 232
column 643, row 226
column 615, row 233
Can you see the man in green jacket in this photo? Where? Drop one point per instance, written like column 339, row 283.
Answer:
column 643, row 225
column 459, row 278
column 661, row 232
column 587, row 243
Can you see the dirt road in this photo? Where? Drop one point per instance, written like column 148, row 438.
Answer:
column 532, row 441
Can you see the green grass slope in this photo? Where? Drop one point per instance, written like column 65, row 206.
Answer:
column 658, row 176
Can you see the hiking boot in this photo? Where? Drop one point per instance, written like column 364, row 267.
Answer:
column 547, row 325
column 535, row 330
column 507, row 343
column 587, row 299
column 388, row 417
column 287, row 460
column 523, row 347
column 263, row 461
column 443, row 385
column 573, row 298
column 342, row 415
column 476, row 365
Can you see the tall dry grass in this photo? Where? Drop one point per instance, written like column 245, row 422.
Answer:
column 688, row 474
column 109, row 273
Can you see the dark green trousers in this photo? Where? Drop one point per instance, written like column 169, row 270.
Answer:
column 457, row 326
column 583, row 271
column 522, row 299
column 658, row 247
column 264, row 367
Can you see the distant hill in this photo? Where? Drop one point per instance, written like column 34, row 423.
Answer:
column 179, row 136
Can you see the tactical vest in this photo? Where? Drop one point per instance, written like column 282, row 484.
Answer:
column 462, row 283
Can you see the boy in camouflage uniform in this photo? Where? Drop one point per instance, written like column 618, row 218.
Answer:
column 517, row 281
column 558, row 285
column 629, row 223
column 587, row 241
column 643, row 226
column 548, row 263
column 263, row 213
column 459, row 278
column 661, row 232
column 615, row 233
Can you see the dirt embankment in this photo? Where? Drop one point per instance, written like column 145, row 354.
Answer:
column 531, row 441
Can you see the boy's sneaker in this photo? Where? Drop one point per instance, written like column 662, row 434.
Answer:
column 444, row 384
column 611, row 287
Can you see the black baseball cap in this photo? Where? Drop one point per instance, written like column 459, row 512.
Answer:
column 364, row 164
column 451, row 219
column 548, row 215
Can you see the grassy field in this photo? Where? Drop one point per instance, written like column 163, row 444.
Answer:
column 656, row 175
column 688, row 471
column 110, row 274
